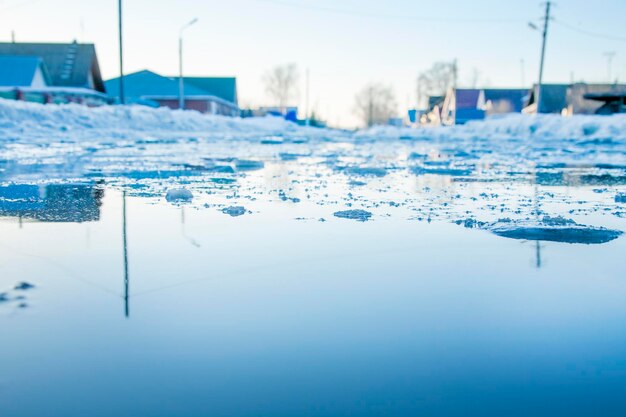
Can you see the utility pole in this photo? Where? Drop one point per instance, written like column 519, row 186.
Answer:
column 543, row 53
column 12, row 36
column 121, row 40
column 609, row 65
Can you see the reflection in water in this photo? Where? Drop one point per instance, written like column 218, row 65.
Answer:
column 125, row 243
column 66, row 203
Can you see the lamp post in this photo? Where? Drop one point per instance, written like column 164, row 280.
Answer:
column 121, row 40
column 181, row 84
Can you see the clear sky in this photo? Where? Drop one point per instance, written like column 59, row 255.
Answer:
column 345, row 43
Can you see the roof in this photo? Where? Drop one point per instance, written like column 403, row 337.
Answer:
column 467, row 98
column 146, row 84
column 19, row 71
column 69, row 64
column 222, row 87
column 515, row 96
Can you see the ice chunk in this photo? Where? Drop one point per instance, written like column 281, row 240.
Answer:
column 234, row 211
column 359, row 215
column 23, row 286
column 553, row 229
column 178, row 195
column 620, row 198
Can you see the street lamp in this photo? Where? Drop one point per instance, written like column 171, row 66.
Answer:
column 181, row 85
column 121, row 50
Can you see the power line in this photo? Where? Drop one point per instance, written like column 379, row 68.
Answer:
column 589, row 33
column 357, row 13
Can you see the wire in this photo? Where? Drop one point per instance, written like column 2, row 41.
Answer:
column 388, row 16
column 590, row 33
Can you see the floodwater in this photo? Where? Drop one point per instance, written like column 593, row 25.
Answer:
column 118, row 304
column 181, row 275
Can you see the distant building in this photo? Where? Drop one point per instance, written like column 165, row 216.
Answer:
column 51, row 73
column 462, row 105
column 204, row 94
column 570, row 99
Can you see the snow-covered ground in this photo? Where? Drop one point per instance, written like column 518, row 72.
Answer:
column 514, row 167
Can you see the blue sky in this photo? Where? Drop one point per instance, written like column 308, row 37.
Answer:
column 345, row 43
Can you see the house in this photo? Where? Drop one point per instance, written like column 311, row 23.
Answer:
column 462, row 105
column 23, row 71
column 68, row 64
column 611, row 103
column 51, row 73
column 569, row 99
column 203, row 94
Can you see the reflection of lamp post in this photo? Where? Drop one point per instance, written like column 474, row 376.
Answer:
column 181, row 86
column 124, row 238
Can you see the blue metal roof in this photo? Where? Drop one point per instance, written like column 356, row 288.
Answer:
column 145, row 84
column 222, row 87
column 19, row 71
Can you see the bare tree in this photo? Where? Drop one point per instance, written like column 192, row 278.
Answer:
column 281, row 84
column 375, row 104
column 436, row 81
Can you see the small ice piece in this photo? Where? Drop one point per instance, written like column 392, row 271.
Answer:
column 23, row 286
column 234, row 211
column 4, row 297
column 178, row 195
column 359, row 215
column 620, row 198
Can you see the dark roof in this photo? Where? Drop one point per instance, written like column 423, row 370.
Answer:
column 19, row 71
column 222, row 87
column 515, row 96
column 69, row 64
column 146, row 84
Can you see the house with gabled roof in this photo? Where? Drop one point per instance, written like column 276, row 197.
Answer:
column 203, row 94
column 68, row 64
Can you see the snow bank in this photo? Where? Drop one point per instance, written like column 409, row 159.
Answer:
column 515, row 126
column 18, row 118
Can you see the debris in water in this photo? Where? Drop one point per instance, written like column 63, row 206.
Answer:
column 620, row 198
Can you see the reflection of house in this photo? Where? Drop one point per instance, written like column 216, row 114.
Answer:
column 63, row 73
column 67, row 203
column 464, row 104
column 569, row 99
column 203, row 94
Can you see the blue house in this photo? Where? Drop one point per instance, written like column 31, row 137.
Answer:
column 462, row 105
column 203, row 94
